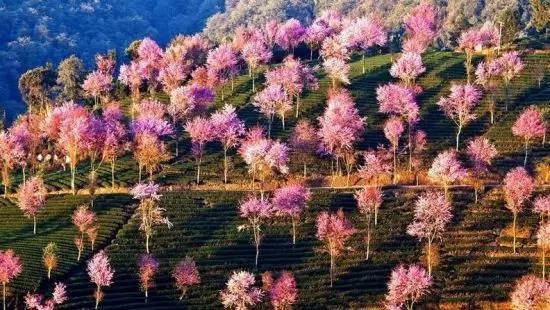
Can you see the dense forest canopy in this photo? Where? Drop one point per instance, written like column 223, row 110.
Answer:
column 34, row 32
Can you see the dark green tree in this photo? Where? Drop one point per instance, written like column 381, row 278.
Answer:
column 70, row 74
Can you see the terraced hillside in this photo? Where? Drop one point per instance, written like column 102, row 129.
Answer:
column 475, row 260
column 443, row 69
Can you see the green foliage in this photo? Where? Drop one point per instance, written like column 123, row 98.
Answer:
column 509, row 21
column 70, row 74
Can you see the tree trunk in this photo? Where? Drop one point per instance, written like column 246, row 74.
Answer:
column 24, row 175
column 199, row 169
column 112, row 174
column 475, row 194
column 257, row 241
column 283, row 120
column 429, row 256
column 376, row 216
column 177, row 141
column 225, row 165
column 544, row 264
column 331, row 267
column 363, row 62
column 297, row 105
column 98, row 292
column 410, row 147
column 458, row 136
column 311, row 56
column 73, row 172
column 34, row 225
column 253, row 82
column 293, row 231
column 147, row 243
column 305, row 170
column 49, row 272
column 514, row 232
column 394, row 178
column 4, row 295
column 368, row 235
column 139, row 173
column 468, row 66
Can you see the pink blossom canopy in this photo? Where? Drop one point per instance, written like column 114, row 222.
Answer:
column 32, row 196
column 407, row 285
column 393, row 128
column 145, row 191
column 420, row 27
column 186, row 273
column 397, row 100
column 530, row 124
column 530, row 292
column 481, row 152
column 99, row 269
column 518, row 187
column 407, row 67
column 460, row 103
column 542, row 205
column 283, row 292
column 432, row 213
column 334, row 228
column 10, row 267
column 446, row 168
column 290, row 34
column 253, row 207
column 240, row 292
column 291, row 200
column 368, row 199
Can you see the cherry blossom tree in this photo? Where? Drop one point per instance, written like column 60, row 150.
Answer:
column 420, row 27
column 510, row 67
column 530, row 292
column 115, row 139
column 446, row 169
column 200, row 130
column 186, row 275
column 101, row 274
column 187, row 102
column 291, row 201
column 149, row 212
column 475, row 40
column 270, row 30
column 282, row 291
column 149, row 62
column 481, row 153
column 416, row 157
column 222, row 62
column 407, row 68
column 304, row 142
column 255, row 53
column 375, row 167
column 271, row 100
column 541, row 205
column 290, row 34
column 486, row 76
column 265, row 158
column 256, row 211
column 529, row 125
column 97, row 84
column 369, row 200
column 31, row 197
column 37, row 302
column 518, row 188
column 363, row 34
column 172, row 75
column 407, row 286
column 10, row 268
column 228, row 129
column 340, row 127
column 543, row 241
column 11, row 154
column 338, row 71
column 335, row 47
column 432, row 213
column 459, row 105
column 333, row 230
column 20, row 144
column 84, row 219
column 240, row 292
column 393, row 128
column 314, row 36
column 148, row 266
column 130, row 76
column 49, row 257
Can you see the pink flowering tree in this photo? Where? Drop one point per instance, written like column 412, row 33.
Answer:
column 337, row 70
column 149, row 212
column 530, row 292
column 481, row 153
column 129, row 76
column 432, row 213
column 270, row 30
column 255, row 53
column 314, row 36
column 115, row 137
column 31, row 198
column 363, row 34
column 407, row 286
column 304, row 142
column 510, row 67
column 333, row 230
column 420, row 27
column 290, row 34
column 265, row 158
column 227, row 129
column 369, row 200
column 340, row 127
column 291, row 201
column 100, row 273
column 393, row 128
column 543, row 241
column 529, row 125
column 186, row 274
column 256, row 211
column 446, row 169
column 97, row 84
column 10, row 267
column 518, row 188
column 541, row 205
column 240, row 292
column 475, row 40
column 22, row 141
column 375, row 168
column 459, row 106
column 407, row 68
column 487, row 74
column 273, row 99
column 84, row 219
column 37, row 302
column 11, row 154
column 149, row 62
column 172, row 75
column 187, row 102
column 223, row 64
column 200, row 130
column 282, row 292
column 148, row 266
